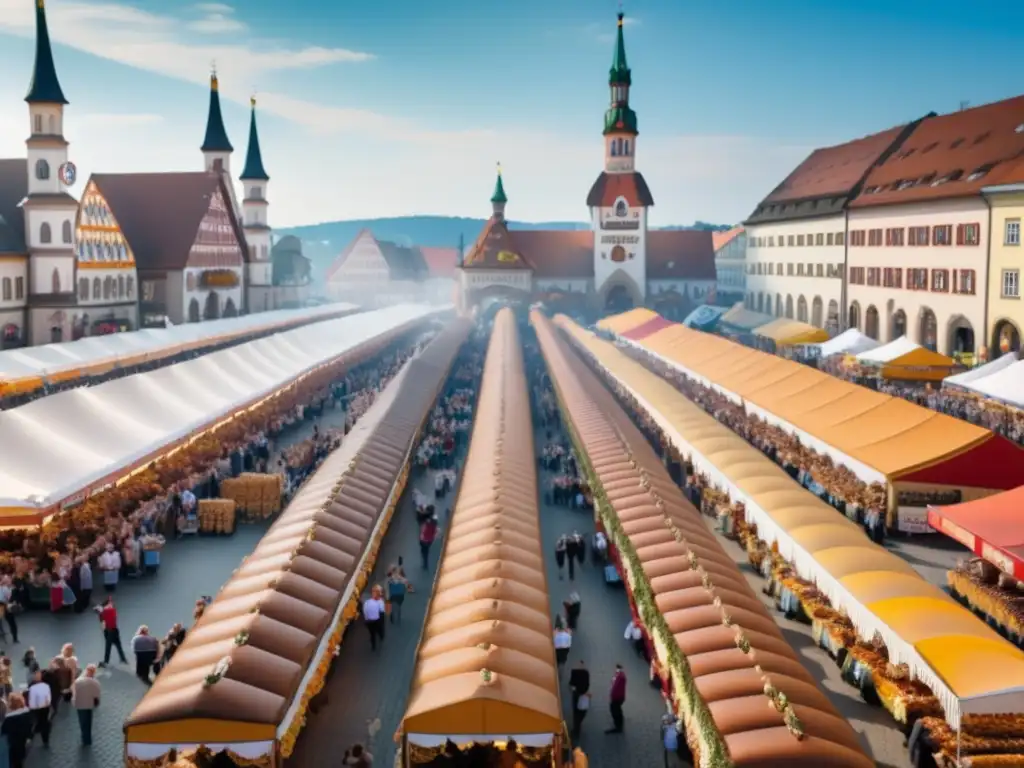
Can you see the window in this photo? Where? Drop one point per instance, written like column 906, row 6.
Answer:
column 621, row 209
column 778, row 269
column 830, row 238
column 789, row 268
column 968, row 234
column 1011, row 284
column 966, row 284
column 789, row 240
column 942, row 234
column 83, row 289
column 37, row 123
column 42, row 169
column 810, row 270
column 799, row 239
column 917, row 279
column 856, row 275
column 65, row 232
column 55, row 281
column 97, row 289
column 1011, row 234
column 625, row 148
column 19, row 288
column 857, row 237
column 875, row 275
column 799, row 270
column 892, row 277
column 819, row 239
column 45, row 236
column 874, row 237
column 120, row 286
column 894, row 236
column 918, row 236
column 257, row 193
column 940, row 280
column 819, row 270
column 8, row 293
column 771, row 241
column 130, row 287
column 771, row 268
column 840, row 238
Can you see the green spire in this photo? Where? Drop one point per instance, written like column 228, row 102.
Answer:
column 216, row 137
column 253, row 170
column 619, row 74
column 45, row 88
column 499, row 190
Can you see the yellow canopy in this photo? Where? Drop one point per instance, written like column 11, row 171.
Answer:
column 879, row 589
column 486, row 660
column 627, row 321
column 890, row 435
column 784, row 331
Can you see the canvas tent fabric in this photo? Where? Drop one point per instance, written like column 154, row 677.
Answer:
column 992, row 528
column 644, row 330
column 849, row 342
column 969, row 377
column 1006, row 385
column 627, row 321
column 705, row 317
column 490, row 608
column 26, row 369
column 786, row 332
column 968, row 666
column 903, row 359
column 642, row 496
column 744, row 319
column 68, row 443
column 880, row 437
column 273, row 617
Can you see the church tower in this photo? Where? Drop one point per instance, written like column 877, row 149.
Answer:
column 216, row 147
column 254, row 221
column 619, row 199
column 48, row 208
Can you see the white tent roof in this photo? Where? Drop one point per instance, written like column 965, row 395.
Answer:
column 58, row 446
column 1006, row 385
column 849, row 342
column 53, row 359
column 967, row 378
column 889, row 352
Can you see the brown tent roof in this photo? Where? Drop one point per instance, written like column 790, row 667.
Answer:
column 704, row 598
column 948, row 156
column 496, row 248
column 490, row 608
column 13, row 189
column 160, row 213
column 284, row 597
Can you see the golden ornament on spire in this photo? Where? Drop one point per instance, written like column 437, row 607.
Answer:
column 499, row 162
column 252, row 102
column 40, row 4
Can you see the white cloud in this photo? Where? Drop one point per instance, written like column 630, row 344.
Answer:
column 217, row 19
column 117, row 120
column 214, row 8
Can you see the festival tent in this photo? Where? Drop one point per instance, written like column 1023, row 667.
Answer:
column 23, row 370
column 849, row 342
column 968, row 377
column 744, row 319
column 903, row 359
column 705, row 317
column 644, row 330
column 966, row 664
column 77, row 441
column 627, row 321
column 1006, row 385
column 786, row 332
column 992, row 528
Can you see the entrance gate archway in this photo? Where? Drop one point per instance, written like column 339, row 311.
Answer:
column 212, row 308
column 1005, row 339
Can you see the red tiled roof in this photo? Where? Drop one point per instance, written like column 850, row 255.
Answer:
column 721, row 239
column 159, row 213
column 834, row 170
column 609, row 187
column 1011, row 172
column 441, row 262
column 680, row 254
column 558, row 253
column 496, row 248
column 966, row 148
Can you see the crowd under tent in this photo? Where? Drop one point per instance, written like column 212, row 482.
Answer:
column 904, row 360
column 702, row 601
column 485, row 666
column 1006, row 385
column 992, row 528
column 241, row 682
column 784, row 332
column 25, row 370
column 922, row 456
column 743, row 319
column 968, row 666
column 62, row 448
column 966, row 379
column 849, row 342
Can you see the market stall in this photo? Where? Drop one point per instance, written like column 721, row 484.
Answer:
column 743, row 319
column 1006, row 385
column 921, row 456
column 967, row 378
column 733, row 679
column 784, row 332
column 627, row 321
column 902, row 359
column 242, row 681
column 62, row 448
column 705, row 317
column 24, row 370
column 966, row 666
column 485, row 672
column 849, row 342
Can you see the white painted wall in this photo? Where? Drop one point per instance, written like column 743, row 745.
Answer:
column 13, row 275
column 563, row 284
column 607, row 235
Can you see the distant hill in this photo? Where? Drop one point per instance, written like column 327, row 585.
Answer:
column 323, row 242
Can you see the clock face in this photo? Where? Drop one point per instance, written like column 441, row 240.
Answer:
column 68, row 174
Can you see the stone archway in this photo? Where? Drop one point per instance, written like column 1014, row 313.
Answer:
column 853, row 318
column 871, row 322
column 817, row 312
column 959, row 336
column 899, row 325
column 760, row 301
column 621, row 290
column 832, row 319
column 211, row 311
column 193, row 311
column 1005, row 338
column 789, row 306
column 618, row 300
column 801, row 309
column 230, row 310
column 768, row 304
column 779, row 307
column 927, row 329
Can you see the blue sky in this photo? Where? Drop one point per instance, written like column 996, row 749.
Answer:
column 401, row 107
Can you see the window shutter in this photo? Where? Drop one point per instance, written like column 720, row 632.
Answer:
column 959, row 234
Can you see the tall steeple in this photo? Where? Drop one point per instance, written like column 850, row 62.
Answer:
column 255, row 180
column 216, row 147
column 498, row 199
column 45, row 87
column 620, row 128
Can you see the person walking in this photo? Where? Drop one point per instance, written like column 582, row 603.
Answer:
column 635, row 635
column 573, row 605
column 560, row 546
column 111, row 632
column 145, row 647
column 39, row 701
column 670, row 740
column 373, row 614
column 18, row 728
column 563, row 642
column 398, row 585
column 9, row 606
column 110, row 564
column 84, row 584
column 428, row 534
column 85, row 697
column 579, row 684
column 616, row 698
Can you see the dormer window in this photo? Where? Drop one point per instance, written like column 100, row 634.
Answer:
column 978, row 173
column 621, row 208
column 257, row 193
